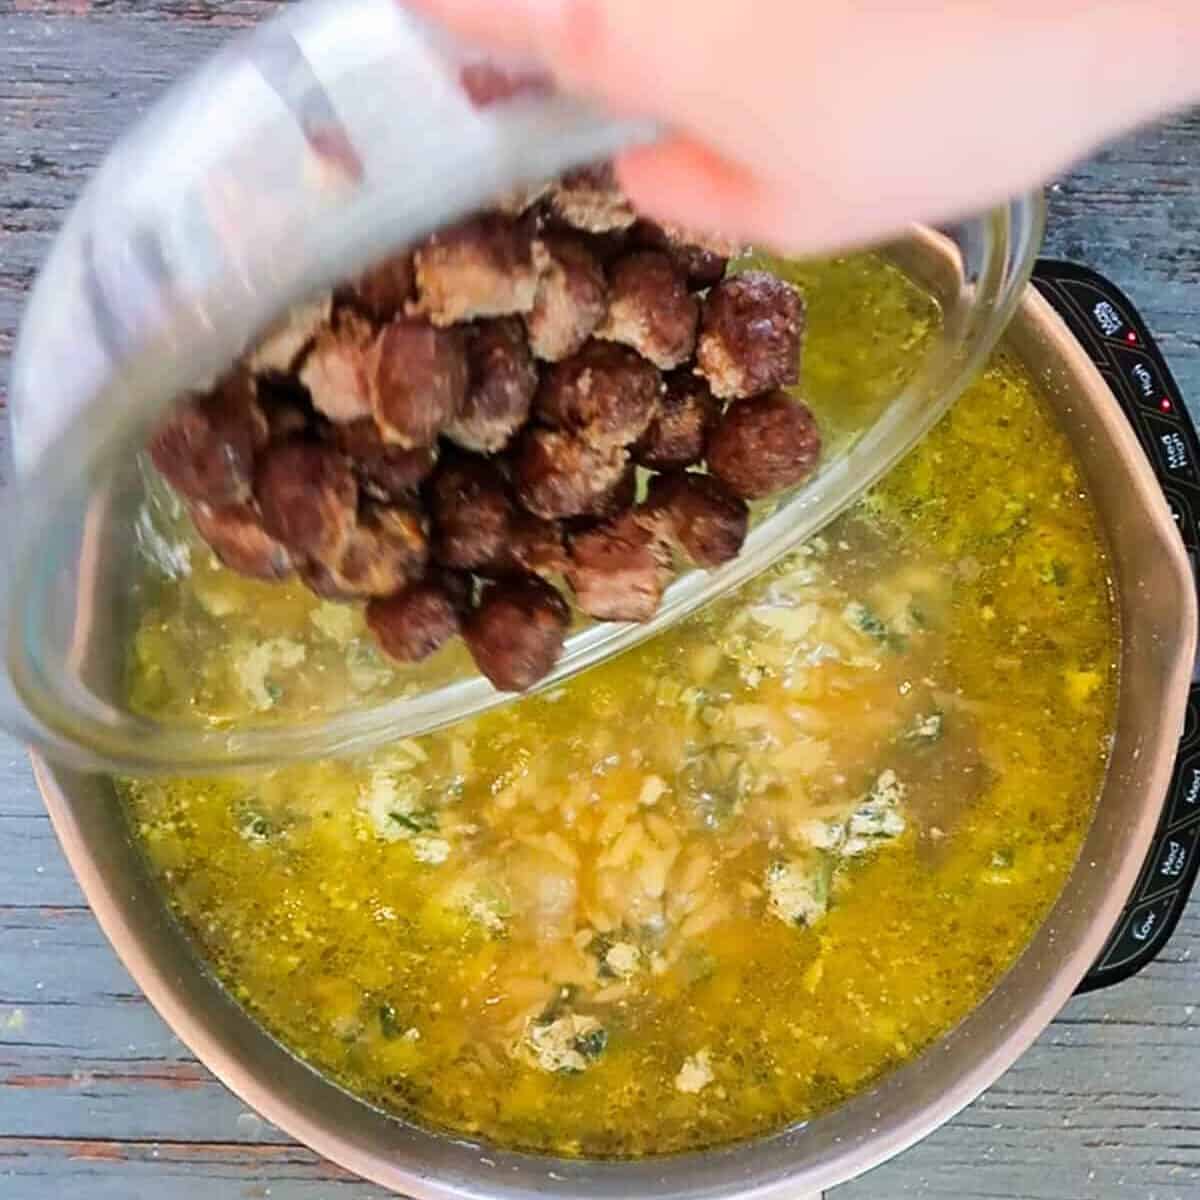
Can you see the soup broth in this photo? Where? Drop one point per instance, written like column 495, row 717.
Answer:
column 708, row 889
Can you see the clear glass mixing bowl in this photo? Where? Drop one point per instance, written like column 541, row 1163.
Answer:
column 295, row 158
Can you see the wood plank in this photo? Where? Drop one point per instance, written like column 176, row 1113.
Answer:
column 73, row 75
column 130, row 1170
column 1133, row 213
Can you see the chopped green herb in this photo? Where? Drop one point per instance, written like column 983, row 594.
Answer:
column 389, row 1022
column 599, row 946
column 255, row 827
column 1056, row 573
column 860, row 617
column 592, row 1044
column 420, row 820
column 925, row 730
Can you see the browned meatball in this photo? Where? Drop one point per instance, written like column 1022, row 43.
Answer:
column 517, row 633
column 613, row 501
column 619, row 497
column 384, row 472
column 560, row 475
column 605, row 248
column 287, row 407
column 503, row 380
column 308, row 498
column 481, row 268
column 472, row 513
column 417, row 621
column 327, row 584
column 238, row 539
column 618, row 570
column 205, row 448
column 571, row 300
column 522, row 199
column 687, row 415
column 338, row 370
column 764, row 445
column 700, row 515
column 606, row 393
column 420, row 381
column 383, row 291
column 701, row 257
column 590, row 199
column 386, row 550
column 536, row 546
column 750, row 333
column 650, row 309
column 283, row 344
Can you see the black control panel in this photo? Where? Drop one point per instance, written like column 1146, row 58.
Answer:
column 1118, row 342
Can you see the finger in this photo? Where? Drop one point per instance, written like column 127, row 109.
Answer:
column 684, row 183
column 861, row 116
column 503, row 25
column 662, row 55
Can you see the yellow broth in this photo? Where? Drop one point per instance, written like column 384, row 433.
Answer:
column 715, row 886
column 285, row 655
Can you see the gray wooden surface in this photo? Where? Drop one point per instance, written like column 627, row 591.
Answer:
column 99, row 1100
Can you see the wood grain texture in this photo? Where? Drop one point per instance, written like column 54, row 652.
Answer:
column 99, row 1099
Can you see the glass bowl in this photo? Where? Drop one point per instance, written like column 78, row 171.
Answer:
column 295, row 158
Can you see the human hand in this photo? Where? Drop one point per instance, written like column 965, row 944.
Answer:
column 810, row 126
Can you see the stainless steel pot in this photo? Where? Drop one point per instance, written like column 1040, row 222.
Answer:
column 1157, row 604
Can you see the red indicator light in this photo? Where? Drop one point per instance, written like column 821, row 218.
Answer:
column 1131, row 338
column 1165, row 405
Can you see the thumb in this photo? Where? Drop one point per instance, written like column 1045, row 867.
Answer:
column 660, row 57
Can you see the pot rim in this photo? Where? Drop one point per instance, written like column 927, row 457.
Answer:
column 902, row 1108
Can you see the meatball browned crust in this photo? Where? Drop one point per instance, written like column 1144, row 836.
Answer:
column 701, row 257
column 536, row 546
column 516, row 633
column 560, row 475
column 338, row 369
column 418, row 620
column 650, row 309
column 606, row 394
column 385, row 472
column 677, row 437
column 420, row 381
column 283, row 345
column 481, row 268
column 308, row 498
column 387, row 549
column 571, row 300
column 472, row 513
column 619, row 569
column 502, row 380
column 205, row 448
column 237, row 537
column 750, row 331
column 383, row 292
column 590, row 199
column 699, row 515
column 764, row 445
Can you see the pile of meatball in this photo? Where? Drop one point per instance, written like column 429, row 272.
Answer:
column 457, row 434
